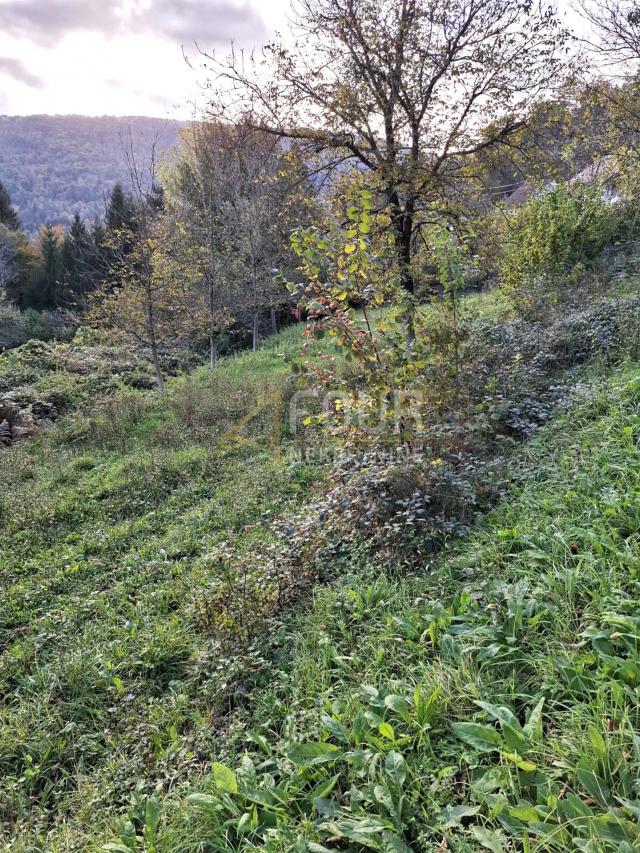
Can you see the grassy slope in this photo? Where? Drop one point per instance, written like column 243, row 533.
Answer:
column 538, row 610
column 106, row 533
column 107, row 670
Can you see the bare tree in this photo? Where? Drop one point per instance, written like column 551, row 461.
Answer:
column 615, row 43
column 142, row 300
column 233, row 192
column 616, row 25
column 404, row 90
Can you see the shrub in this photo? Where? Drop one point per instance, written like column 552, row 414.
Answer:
column 17, row 327
column 552, row 238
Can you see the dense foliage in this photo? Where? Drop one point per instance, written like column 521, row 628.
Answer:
column 556, row 236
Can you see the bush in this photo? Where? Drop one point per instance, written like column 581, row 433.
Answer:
column 552, row 238
column 17, row 327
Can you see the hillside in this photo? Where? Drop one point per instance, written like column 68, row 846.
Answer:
column 154, row 554
column 53, row 166
column 320, row 463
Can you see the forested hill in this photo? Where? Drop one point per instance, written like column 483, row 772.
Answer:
column 54, row 166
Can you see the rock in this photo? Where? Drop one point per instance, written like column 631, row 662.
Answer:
column 8, row 410
column 6, row 435
column 25, row 429
column 22, row 415
column 41, row 410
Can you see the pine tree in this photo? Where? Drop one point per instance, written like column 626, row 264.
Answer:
column 120, row 210
column 8, row 215
column 49, row 279
column 77, row 261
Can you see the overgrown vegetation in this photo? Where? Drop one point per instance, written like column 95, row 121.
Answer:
column 153, row 547
column 488, row 701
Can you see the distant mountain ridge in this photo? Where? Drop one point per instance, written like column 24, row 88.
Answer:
column 53, row 166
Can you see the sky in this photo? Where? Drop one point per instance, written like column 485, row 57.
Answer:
column 122, row 57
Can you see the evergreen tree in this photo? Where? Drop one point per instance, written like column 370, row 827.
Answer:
column 77, row 261
column 8, row 215
column 49, row 279
column 120, row 210
column 120, row 230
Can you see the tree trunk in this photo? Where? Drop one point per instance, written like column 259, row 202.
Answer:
column 213, row 352
column 256, row 325
column 403, row 226
column 154, row 345
column 402, row 220
column 274, row 321
column 157, row 368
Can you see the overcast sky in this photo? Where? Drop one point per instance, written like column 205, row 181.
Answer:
column 120, row 57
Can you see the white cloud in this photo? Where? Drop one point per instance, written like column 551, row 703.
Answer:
column 118, row 57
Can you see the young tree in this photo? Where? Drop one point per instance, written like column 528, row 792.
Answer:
column 199, row 239
column 405, row 90
column 8, row 259
column 141, row 300
column 48, row 286
column 143, row 305
column 120, row 212
column 8, row 214
column 20, row 266
column 234, row 195
column 77, row 262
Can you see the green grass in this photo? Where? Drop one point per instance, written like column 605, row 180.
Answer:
column 489, row 702
column 109, row 532
column 117, row 694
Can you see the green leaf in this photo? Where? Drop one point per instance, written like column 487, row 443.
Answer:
column 399, row 705
column 324, row 788
column 597, row 741
column 392, row 843
column 260, row 796
column 596, row 787
column 335, row 728
column 202, row 800
column 484, row 738
column 386, row 730
column 244, row 824
column 260, row 741
column 525, row 813
column 313, row 753
column 522, row 763
column 383, row 796
column 501, row 713
column 487, row 839
column 394, row 765
column 224, row 778
column 364, row 831
column 152, row 819
column 452, row 815
column 533, row 727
